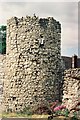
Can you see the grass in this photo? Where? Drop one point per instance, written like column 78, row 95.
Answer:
column 19, row 115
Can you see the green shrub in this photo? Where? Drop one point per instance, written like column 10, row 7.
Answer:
column 26, row 111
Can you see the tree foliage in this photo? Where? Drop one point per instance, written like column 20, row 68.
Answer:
column 2, row 39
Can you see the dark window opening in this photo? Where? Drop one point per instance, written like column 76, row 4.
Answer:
column 41, row 41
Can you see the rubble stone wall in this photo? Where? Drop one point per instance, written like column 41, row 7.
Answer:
column 33, row 62
column 71, row 88
column 2, row 68
column 2, row 76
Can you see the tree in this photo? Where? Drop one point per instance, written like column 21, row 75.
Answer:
column 2, row 39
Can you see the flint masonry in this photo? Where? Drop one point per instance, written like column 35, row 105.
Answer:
column 33, row 70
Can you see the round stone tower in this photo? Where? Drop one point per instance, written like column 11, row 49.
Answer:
column 33, row 62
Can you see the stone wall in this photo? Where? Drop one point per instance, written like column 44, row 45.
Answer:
column 71, row 88
column 33, row 62
column 2, row 77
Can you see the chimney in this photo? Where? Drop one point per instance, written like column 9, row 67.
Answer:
column 74, row 61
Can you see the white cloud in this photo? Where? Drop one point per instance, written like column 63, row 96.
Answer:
column 70, row 35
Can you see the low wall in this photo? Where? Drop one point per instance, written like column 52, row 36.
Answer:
column 71, row 87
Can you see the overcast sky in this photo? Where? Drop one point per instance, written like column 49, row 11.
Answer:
column 65, row 12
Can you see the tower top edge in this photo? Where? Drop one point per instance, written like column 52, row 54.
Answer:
column 15, row 19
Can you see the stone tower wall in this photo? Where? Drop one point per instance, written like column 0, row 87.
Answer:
column 33, row 62
column 2, row 77
column 2, row 68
